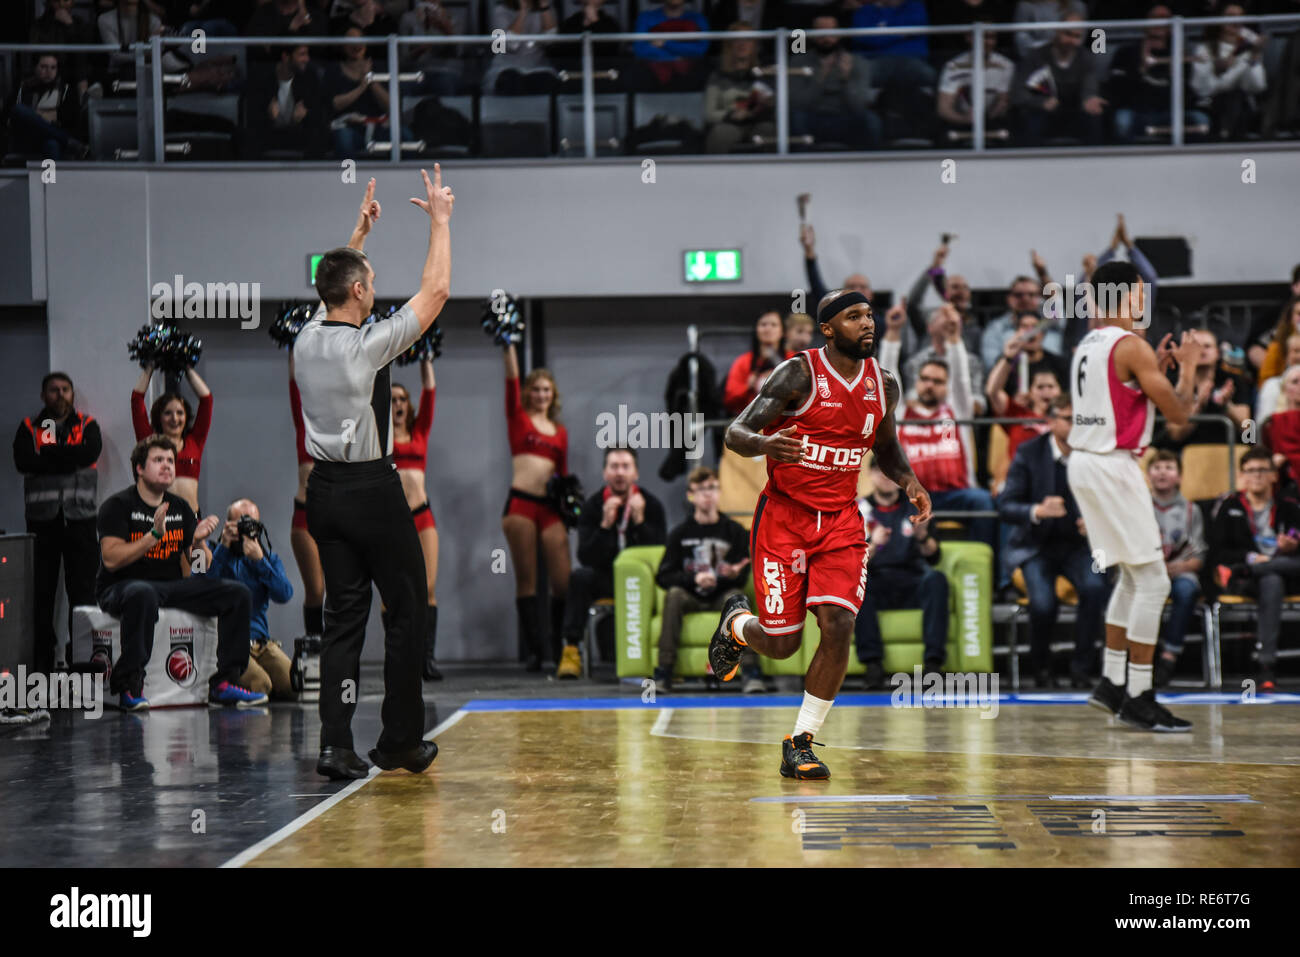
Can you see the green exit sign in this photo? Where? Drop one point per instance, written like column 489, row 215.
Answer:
column 711, row 265
column 312, row 262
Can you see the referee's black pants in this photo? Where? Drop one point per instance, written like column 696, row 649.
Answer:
column 357, row 514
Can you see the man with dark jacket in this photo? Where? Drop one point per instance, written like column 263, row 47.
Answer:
column 703, row 565
column 1049, row 540
column 286, row 108
column 618, row 516
column 1056, row 90
column 1254, row 542
column 56, row 451
column 901, row 574
column 46, row 114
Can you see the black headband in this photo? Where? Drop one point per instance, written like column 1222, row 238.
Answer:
column 837, row 305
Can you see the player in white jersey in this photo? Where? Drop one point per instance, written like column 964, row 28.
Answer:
column 1117, row 381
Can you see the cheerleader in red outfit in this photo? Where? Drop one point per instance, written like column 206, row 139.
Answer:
column 304, row 546
column 171, row 417
column 410, row 448
column 539, row 448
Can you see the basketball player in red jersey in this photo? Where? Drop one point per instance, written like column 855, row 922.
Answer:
column 304, row 546
column 815, row 419
column 410, row 450
column 539, row 448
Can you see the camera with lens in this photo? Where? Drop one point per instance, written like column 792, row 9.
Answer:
column 249, row 527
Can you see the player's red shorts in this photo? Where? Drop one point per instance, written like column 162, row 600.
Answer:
column 423, row 516
column 300, row 515
column 803, row 558
column 536, row 509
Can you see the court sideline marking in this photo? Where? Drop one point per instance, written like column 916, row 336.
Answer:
column 302, row 820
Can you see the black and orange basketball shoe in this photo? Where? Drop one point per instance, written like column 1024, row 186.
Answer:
column 724, row 650
column 798, row 760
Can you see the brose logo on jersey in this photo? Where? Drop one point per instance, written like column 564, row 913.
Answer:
column 839, row 457
column 773, row 604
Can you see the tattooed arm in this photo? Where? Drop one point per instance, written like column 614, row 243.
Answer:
column 891, row 458
column 787, row 388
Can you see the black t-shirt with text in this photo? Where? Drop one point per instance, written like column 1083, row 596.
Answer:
column 127, row 516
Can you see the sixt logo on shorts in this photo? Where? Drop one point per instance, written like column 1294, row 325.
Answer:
column 830, row 456
column 774, row 585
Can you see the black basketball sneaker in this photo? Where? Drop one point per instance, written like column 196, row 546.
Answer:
column 1147, row 714
column 1107, row 696
column 798, row 760
column 724, row 650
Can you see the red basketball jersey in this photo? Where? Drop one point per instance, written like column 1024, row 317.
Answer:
column 837, row 426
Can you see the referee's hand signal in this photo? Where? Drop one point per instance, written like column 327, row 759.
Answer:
column 369, row 212
column 438, row 199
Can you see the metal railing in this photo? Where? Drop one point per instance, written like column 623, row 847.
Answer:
column 779, row 71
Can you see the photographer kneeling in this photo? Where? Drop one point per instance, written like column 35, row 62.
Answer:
column 239, row 556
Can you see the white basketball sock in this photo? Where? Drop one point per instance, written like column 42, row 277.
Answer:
column 1139, row 679
column 738, row 626
column 811, row 714
column 1113, row 668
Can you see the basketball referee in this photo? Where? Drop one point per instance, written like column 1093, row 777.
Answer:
column 356, row 510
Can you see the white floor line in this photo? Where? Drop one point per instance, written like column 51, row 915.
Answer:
column 661, row 723
column 298, row 823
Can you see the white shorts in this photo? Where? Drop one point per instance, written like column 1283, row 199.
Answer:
column 1116, row 507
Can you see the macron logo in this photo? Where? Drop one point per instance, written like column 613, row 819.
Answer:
column 75, row 910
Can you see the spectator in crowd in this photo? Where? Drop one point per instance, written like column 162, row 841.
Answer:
column 830, row 103
column 1253, row 541
column 171, row 417
column 766, row 14
column 1024, row 295
column 903, row 560
column 798, row 332
column 954, row 13
column 524, row 67
column 1282, row 431
column 284, row 18
column 1031, row 403
column 358, row 103
column 440, row 64
column 46, row 115
column 664, row 65
column 1269, row 394
column 1213, row 397
column 59, row 25
column 737, row 107
column 591, row 16
column 954, row 102
column 1138, row 87
column 240, row 557
column 618, row 516
column 945, row 332
column 1228, row 75
column 703, row 565
column 751, row 369
column 952, row 288
column 56, row 450
column 368, row 16
column 1271, row 360
column 1049, row 541
column 125, row 24
column 938, row 450
column 897, row 63
column 148, row 539
column 287, row 108
column 1030, row 356
column 1057, row 90
column 856, row 282
column 1182, row 535
column 1043, row 11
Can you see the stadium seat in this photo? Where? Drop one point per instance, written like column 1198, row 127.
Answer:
column 184, row 652
column 515, row 125
column 1236, row 609
column 740, row 482
column 1206, row 471
column 611, row 124
column 205, row 144
column 112, row 128
column 671, row 111
column 639, row 601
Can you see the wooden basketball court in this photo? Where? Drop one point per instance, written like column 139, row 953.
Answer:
column 689, row 782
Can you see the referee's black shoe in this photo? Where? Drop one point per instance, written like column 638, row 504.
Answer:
column 1145, row 713
column 341, row 764
column 414, row 759
column 1107, row 696
column 724, row 650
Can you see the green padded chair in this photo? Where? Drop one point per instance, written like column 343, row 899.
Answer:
column 639, row 605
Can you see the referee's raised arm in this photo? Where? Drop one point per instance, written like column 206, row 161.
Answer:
column 435, row 280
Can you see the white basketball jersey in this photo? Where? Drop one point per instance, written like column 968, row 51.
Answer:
column 1108, row 414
